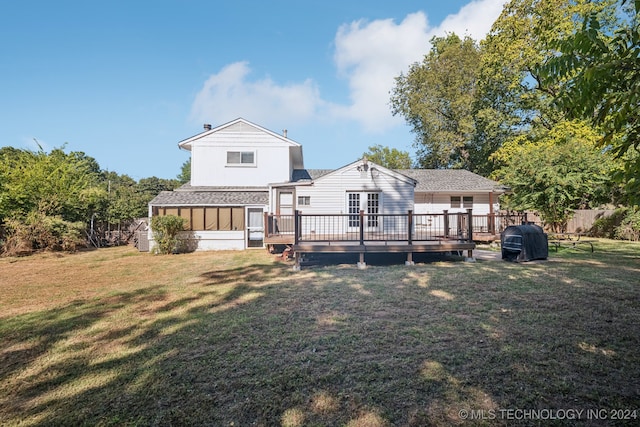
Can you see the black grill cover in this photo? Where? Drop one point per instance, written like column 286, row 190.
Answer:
column 524, row 243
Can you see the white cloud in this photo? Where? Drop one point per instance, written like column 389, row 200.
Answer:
column 474, row 19
column 371, row 55
column 229, row 94
column 368, row 55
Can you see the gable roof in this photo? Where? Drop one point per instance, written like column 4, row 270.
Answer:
column 427, row 180
column 237, row 125
column 321, row 173
column 451, row 180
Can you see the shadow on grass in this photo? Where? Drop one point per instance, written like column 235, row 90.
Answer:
column 260, row 345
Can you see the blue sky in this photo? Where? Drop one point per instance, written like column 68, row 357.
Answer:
column 125, row 81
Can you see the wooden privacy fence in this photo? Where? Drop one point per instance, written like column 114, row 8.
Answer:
column 581, row 221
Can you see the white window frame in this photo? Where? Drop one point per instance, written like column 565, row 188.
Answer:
column 457, row 203
column 464, row 202
column 467, row 202
column 242, row 157
column 304, row 200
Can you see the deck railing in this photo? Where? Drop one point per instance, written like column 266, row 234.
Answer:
column 409, row 227
column 364, row 227
column 495, row 223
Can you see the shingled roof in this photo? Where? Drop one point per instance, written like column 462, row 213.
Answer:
column 308, row 174
column 428, row 180
column 450, row 180
column 213, row 196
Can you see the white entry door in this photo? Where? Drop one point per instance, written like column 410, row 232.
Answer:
column 285, row 211
column 255, row 228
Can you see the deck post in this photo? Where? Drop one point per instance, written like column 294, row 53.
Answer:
column 470, row 230
column 361, row 227
column 267, row 229
column 445, row 217
column 296, row 222
column 410, row 227
column 296, row 259
column 409, row 260
column 361, row 264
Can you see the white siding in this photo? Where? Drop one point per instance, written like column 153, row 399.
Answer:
column 436, row 203
column 213, row 240
column 329, row 194
column 209, row 158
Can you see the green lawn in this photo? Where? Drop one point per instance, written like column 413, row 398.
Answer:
column 117, row 337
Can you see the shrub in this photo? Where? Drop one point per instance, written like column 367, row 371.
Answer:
column 629, row 228
column 38, row 231
column 623, row 224
column 605, row 226
column 165, row 233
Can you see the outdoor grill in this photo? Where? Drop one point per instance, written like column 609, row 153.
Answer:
column 525, row 242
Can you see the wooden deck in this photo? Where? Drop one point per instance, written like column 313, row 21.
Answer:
column 437, row 246
column 370, row 233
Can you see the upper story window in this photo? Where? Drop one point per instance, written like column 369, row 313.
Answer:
column 241, row 158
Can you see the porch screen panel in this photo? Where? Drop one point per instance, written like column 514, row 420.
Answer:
column 211, row 218
column 224, row 219
column 185, row 213
column 197, row 219
column 237, row 218
column 171, row 211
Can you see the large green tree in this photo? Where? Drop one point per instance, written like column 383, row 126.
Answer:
column 520, row 40
column 436, row 97
column 555, row 171
column 464, row 101
column 55, row 184
column 600, row 70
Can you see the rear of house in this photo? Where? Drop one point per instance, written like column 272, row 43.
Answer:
column 231, row 168
column 243, row 174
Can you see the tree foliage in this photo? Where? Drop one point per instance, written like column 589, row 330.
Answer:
column 465, row 100
column 391, row 158
column 436, row 98
column 555, row 172
column 600, row 68
column 185, row 172
column 55, row 184
column 49, row 194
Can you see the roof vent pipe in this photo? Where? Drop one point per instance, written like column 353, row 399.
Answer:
column 207, row 126
column 284, row 133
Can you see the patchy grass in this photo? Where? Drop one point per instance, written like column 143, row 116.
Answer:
column 117, row 337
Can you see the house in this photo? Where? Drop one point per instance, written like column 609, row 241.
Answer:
column 248, row 183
